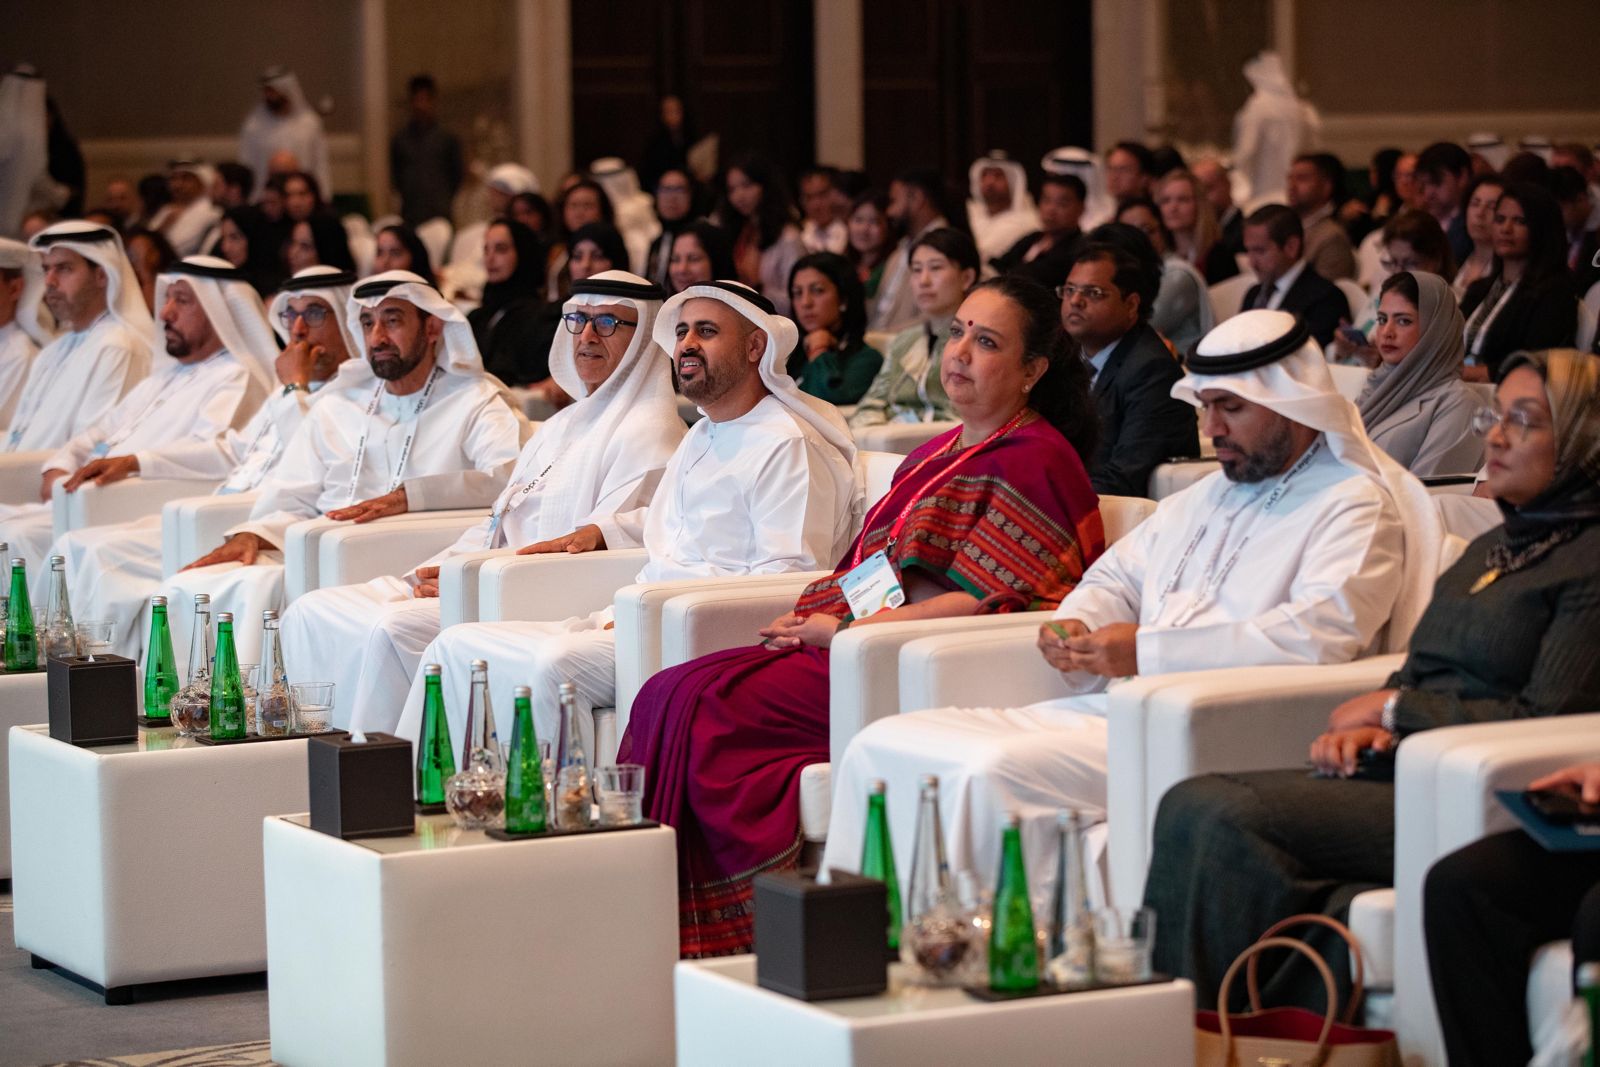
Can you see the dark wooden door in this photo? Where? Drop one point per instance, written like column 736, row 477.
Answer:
column 743, row 68
column 947, row 80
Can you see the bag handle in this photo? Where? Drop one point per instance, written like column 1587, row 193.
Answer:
column 1250, row 954
column 1358, row 965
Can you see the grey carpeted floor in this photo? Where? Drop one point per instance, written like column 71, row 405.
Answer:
column 48, row 1019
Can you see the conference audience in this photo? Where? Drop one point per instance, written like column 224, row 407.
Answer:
column 1411, row 240
column 397, row 247
column 872, row 239
column 505, row 324
column 248, row 241
column 759, row 220
column 1527, row 301
column 1316, row 181
column 1274, row 241
column 1482, row 195
column 700, row 252
column 1191, row 221
column 1045, row 256
column 832, row 360
column 1182, row 309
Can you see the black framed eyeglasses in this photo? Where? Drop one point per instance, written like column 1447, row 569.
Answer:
column 315, row 316
column 604, row 325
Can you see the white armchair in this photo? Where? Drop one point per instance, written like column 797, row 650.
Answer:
column 320, row 552
column 191, row 526
column 124, row 501
column 20, row 474
column 899, row 437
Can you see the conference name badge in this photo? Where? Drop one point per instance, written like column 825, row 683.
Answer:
column 99, row 451
column 872, row 586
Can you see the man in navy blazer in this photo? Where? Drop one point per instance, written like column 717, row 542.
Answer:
column 1104, row 307
column 1274, row 242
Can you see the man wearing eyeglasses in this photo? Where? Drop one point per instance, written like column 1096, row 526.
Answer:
column 1105, row 307
column 113, row 570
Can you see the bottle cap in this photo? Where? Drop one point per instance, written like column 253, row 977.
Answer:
column 16, row 561
column 1067, row 818
column 929, row 781
column 877, row 787
column 566, row 689
column 158, row 601
column 58, row 561
column 480, row 664
column 224, row 616
column 202, row 598
column 268, row 614
column 1588, row 976
column 432, row 670
column 520, row 691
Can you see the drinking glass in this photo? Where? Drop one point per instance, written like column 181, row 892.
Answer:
column 313, row 707
column 94, row 638
column 1123, row 939
column 621, row 794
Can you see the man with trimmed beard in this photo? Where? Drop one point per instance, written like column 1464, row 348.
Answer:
column 764, row 484
column 412, row 425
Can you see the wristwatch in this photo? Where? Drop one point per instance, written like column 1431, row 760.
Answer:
column 1387, row 719
column 295, row 386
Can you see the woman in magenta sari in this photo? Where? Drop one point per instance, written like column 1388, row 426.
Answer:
column 994, row 516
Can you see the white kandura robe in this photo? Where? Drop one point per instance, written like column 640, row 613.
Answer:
column 1315, row 584
column 112, row 571
column 324, row 630
column 299, row 132
column 76, row 379
column 184, row 400
column 186, row 227
column 759, row 494
column 465, row 427
column 17, row 351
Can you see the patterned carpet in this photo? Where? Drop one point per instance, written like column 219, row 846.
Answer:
column 248, row 1054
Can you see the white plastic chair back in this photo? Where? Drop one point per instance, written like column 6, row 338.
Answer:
column 435, row 237
column 1354, row 295
column 1121, row 514
column 1227, row 296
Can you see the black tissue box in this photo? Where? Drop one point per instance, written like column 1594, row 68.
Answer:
column 821, row 942
column 360, row 789
column 93, row 702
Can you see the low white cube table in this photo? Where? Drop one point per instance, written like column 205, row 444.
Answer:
column 141, row 862
column 446, row 946
column 22, row 703
column 726, row 1020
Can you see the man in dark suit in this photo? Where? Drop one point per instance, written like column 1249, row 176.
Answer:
column 1444, row 170
column 1274, row 240
column 1104, row 307
column 1046, row 254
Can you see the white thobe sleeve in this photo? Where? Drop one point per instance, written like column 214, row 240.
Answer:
column 215, row 458
column 1111, row 591
column 290, row 493
column 80, row 446
column 624, row 502
column 493, row 439
column 1348, row 576
column 794, row 510
column 105, row 385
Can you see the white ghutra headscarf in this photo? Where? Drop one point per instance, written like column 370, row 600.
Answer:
column 233, row 309
column 330, row 285
column 32, row 318
column 101, row 246
column 458, row 352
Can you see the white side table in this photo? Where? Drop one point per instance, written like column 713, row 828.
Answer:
column 141, row 862
column 445, row 946
column 724, row 1018
column 22, row 703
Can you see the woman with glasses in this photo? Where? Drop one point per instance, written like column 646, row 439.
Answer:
column 832, row 361
column 506, row 324
column 1415, row 405
column 1528, row 300
column 1509, row 634
column 907, row 388
column 1412, row 240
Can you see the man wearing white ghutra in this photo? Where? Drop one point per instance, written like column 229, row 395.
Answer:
column 413, row 425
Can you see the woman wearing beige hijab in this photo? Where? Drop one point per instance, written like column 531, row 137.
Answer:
column 1415, row 405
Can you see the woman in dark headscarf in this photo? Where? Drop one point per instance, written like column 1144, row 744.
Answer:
column 506, row 323
column 399, row 248
column 246, row 239
column 318, row 241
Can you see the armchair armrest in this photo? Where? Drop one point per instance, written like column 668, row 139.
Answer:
column 349, row 553
column 998, row 665
column 124, row 501
column 554, row 586
column 458, row 585
column 663, row 624
column 302, row 544
column 1163, row 729
column 19, row 476
column 902, row 438
column 1444, row 799
column 191, row 526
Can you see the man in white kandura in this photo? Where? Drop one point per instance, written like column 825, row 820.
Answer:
column 1307, row 542
column 1000, row 210
column 764, row 484
column 218, row 373
column 597, row 461
column 103, row 349
column 21, row 329
column 113, row 570
column 413, row 425
column 284, row 121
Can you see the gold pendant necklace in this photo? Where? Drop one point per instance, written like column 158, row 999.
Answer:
column 1488, row 578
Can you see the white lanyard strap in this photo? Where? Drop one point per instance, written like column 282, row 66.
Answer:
column 1214, row 577
column 130, row 425
column 405, row 449
column 513, row 501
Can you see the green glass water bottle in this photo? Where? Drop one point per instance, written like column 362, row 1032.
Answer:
column 1588, row 983
column 1013, row 952
column 877, row 856
column 22, row 646
column 435, row 762
column 525, row 812
column 227, row 690
column 160, row 666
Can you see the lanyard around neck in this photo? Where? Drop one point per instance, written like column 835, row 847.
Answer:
column 405, row 449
